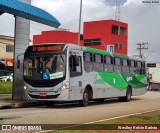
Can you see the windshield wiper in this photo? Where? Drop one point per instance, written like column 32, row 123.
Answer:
column 61, row 57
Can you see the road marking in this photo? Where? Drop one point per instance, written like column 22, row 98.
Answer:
column 101, row 120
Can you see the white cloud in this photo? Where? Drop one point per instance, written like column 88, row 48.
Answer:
column 7, row 24
column 68, row 11
column 142, row 19
column 143, row 25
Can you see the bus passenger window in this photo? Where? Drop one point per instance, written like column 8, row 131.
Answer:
column 108, row 67
column 132, row 67
column 98, row 63
column 117, row 66
column 143, row 68
column 88, row 65
column 74, row 67
column 138, row 67
column 125, row 67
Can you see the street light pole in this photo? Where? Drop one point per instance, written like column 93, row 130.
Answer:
column 80, row 17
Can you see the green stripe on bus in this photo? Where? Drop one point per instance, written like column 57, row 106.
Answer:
column 96, row 51
column 121, row 82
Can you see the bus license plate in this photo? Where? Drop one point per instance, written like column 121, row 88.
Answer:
column 42, row 94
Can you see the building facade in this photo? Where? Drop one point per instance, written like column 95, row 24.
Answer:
column 6, row 50
column 108, row 35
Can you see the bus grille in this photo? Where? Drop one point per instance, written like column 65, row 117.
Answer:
column 46, row 97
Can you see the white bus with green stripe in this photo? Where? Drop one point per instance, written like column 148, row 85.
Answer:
column 67, row 72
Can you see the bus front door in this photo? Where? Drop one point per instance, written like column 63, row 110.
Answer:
column 75, row 67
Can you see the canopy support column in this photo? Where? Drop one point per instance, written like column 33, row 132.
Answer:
column 22, row 35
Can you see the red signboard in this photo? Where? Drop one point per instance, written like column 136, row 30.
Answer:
column 9, row 62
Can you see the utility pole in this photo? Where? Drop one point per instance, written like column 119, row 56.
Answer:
column 80, row 17
column 141, row 46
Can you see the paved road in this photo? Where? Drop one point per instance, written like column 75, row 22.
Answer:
column 73, row 114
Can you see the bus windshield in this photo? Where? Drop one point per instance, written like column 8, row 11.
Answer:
column 44, row 67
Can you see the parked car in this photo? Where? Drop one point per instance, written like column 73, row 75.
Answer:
column 7, row 77
column 153, row 88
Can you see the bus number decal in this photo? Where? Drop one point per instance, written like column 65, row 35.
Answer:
column 97, row 80
column 129, row 78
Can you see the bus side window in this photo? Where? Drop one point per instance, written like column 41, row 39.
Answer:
column 117, row 66
column 88, row 65
column 132, row 67
column 125, row 67
column 143, row 68
column 98, row 63
column 139, row 65
column 75, row 70
column 108, row 64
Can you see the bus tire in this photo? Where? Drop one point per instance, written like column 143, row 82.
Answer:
column 127, row 98
column 49, row 103
column 84, row 102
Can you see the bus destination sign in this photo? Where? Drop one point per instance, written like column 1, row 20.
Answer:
column 47, row 48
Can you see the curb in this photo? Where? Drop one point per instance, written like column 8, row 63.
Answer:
column 28, row 104
column 5, row 95
column 7, row 106
column 21, row 105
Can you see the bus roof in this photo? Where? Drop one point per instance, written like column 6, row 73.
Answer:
column 97, row 51
column 137, row 59
column 120, row 56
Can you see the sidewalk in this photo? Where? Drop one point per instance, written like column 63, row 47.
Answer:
column 6, row 102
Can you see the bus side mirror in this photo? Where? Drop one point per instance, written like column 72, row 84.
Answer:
column 18, row 63
column 77, row 61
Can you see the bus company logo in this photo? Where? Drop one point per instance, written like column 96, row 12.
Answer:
column 129, row 78
column 97, row 80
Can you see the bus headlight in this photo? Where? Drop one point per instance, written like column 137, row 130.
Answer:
column 25, row 88
column 64, row 86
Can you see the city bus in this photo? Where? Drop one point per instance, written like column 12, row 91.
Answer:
column 68, row 72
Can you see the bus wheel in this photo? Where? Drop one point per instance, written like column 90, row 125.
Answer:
column 85, row 100
column 127, row 98
column 49, row 103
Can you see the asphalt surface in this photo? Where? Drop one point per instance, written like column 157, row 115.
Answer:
column 73, row 114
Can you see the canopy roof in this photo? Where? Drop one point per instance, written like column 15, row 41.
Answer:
column 27, row 11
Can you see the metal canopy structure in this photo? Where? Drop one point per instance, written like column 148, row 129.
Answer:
column 27, row 11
